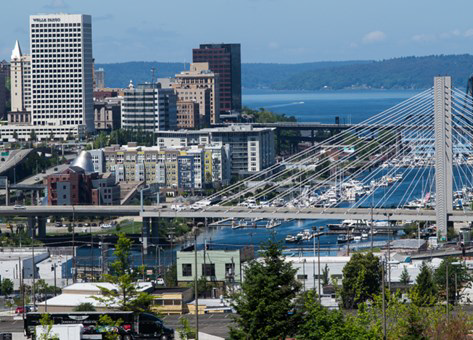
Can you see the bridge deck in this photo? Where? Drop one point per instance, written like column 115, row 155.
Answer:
column 235, row 212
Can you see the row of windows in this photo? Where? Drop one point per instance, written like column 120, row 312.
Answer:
column 55, row 35
column 36, row 112
column 73, row 24
column 38, row 41
column 36, row 30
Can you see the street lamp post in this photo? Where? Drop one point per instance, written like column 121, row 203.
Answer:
column 384, row 302
column 388, row 215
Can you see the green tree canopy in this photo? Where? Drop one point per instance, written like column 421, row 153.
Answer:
column 267, row 297
column 458, row 277
column 126, row 295
column 361, row 279
column 424, row 291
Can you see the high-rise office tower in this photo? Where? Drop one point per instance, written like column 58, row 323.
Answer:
column 224, row 59
column 202, row 85
column 149, row 108
column 20, row 80
column 100, row 78
column 61, row 70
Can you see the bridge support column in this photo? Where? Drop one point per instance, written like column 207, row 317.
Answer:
column 41, row 226
column 278, row 141
column 155, row 230
column 443, row 153
column 31, row 228
column 145, row 233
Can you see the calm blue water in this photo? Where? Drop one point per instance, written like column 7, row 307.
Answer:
column 350, row 105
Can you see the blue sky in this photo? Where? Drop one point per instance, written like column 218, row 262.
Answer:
column 282, row 31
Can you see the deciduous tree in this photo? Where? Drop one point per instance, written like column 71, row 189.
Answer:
column 361, row 279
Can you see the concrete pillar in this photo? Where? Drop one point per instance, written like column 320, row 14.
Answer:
column 7, row 191
column 41, row 226
column 443, row 153
column 155, row 230
column 31, row 225
column 312, row 136
column 145, row 233
column 278, row 144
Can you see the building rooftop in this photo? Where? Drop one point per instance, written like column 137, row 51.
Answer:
column 231, row 128
column 84, row 162
column 16, row 53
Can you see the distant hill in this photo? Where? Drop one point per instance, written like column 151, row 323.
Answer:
column 256, row 75
column 397, row 73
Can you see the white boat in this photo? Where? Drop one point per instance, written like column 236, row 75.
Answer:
column 364, row 236
column 357, row 238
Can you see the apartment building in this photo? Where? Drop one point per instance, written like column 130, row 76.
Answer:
column 252, row 149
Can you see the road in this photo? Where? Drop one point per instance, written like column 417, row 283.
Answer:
column 16, row 157
column 235, row 212
column 61, row 167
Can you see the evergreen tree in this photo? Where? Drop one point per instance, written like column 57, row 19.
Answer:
column 458, row 276
column 267, row 297
column 405, row 277
column 325, row 275
column 424, row 292
column 126, row 295
column 361, row 279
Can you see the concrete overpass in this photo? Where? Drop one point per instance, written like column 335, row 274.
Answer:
column 165, row 211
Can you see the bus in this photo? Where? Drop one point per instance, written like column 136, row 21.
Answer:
column 132, row 327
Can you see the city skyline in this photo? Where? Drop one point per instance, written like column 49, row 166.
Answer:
column 268, row 30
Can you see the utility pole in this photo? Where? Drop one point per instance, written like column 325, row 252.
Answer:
column 318, row 267
column 446, row 285
column 384, row 301
column 196, row 292
column 74, row 261
column 372, row 225
column 34, row 265
column 55, row 285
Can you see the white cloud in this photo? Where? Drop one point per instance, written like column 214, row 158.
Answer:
column 423, row 37
column 374, row 37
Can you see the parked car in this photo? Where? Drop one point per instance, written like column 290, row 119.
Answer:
column 19, row 207
column 21, row 310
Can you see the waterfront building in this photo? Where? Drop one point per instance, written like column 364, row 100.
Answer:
column 149, row 108
column 200, row 77
column 251, row 149
column 187, row 114
column 178, row 168
column 225, row 60
column 107, row 115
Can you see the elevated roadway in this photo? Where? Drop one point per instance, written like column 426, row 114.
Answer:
column 234, row 212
